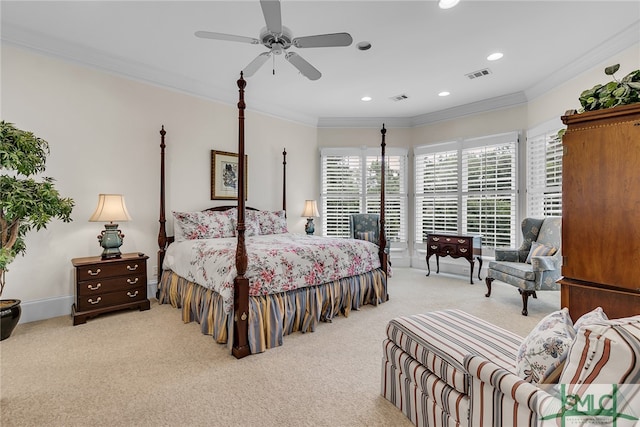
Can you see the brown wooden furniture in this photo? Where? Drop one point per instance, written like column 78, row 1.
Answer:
column 106, row 285
column 240, row 347
column 454, row 246
column 601, row 212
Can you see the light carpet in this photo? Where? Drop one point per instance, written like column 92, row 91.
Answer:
column 135, row 368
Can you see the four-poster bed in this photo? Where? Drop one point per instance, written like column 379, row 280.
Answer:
column 252, row 287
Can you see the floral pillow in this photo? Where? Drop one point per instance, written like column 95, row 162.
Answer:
column 593, row 317
column 546, row 346
column 251, row 225
column 271, row 222
column 538, row 249
column 203, row 225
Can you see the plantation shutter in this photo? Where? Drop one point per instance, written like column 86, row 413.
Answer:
column 341, row 191
column 544, row 170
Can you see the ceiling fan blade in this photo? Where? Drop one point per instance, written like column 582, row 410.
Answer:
column 226, row 37
column 323, row 40
column 306, row 69
column 255, row 65
column 272, row 15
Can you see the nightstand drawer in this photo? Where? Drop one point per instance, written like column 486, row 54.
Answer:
column 97, row 286
column 92, row 302
column 97, row 271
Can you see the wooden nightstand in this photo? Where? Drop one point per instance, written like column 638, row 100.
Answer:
column 105, row 285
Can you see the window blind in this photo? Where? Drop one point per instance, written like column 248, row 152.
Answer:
column 544, row 170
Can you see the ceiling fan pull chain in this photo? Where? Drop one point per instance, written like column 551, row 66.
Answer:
column 273, row 68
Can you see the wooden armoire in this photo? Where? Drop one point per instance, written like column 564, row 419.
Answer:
column 601, row 212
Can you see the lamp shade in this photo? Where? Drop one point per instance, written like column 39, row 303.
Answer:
column 110, row 208
column 310, row 209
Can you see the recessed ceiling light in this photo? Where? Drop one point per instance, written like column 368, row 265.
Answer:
column 447, row 4
column 495, row 56
column 364, row 46
column 444, row 93
column 366, row 98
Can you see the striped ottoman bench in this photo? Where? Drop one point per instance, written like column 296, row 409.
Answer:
column 423, row 364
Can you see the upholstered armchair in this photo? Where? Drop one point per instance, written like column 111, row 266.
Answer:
column 535, row 265
column 364, row 227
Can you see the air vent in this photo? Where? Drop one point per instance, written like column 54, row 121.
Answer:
column 399, row 97
column 480, row 73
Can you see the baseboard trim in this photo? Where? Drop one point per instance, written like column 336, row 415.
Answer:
column 61, row 306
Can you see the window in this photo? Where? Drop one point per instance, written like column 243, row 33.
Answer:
column 544, row 170
column 351, row 184
column 468, row 186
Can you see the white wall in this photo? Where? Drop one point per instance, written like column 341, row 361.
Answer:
column 104, row 137
column 103, row 132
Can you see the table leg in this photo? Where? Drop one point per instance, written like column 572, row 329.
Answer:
column 437, row 263
column 479, row 266
column 471, row 271
column 428, row 266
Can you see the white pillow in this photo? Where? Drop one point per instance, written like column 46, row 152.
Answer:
column 594, row 316
column 605, row 353
column 545, row 347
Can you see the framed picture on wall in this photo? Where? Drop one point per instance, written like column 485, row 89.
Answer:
column 224, row 175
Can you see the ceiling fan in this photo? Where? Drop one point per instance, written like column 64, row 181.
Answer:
column 278, row 38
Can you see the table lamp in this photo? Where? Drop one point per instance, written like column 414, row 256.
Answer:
column 310, row 211
column 110, row 208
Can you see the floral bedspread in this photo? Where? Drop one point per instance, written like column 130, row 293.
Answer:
column 276, row 262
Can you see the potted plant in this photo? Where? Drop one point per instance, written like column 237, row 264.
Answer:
column 25, row 204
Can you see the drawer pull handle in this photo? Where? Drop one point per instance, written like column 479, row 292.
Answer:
column 436, row 239
column 462, row 241
column 94, row 288
column 434, row 246
column 448, row 239
column 96, row 301
column 133, row 282
column 463, row 250
column 134, row 268
column 91, row 273
column 135, row 294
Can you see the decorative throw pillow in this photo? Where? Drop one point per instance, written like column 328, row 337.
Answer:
column 538, row 249
column 251, row 225
column 593, row 317
column 272, row 222
column 369, row 236
column 203, row 225
column 545, row 347
column 605, row 353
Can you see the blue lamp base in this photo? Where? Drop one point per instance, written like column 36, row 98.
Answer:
column 111, row 239
column 309, row 228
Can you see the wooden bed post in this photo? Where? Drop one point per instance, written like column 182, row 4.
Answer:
column 284, row 181
column 240, row 283
column 162, row 233
column 382, row 243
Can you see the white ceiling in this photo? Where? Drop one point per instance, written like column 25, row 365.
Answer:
column 417, row 49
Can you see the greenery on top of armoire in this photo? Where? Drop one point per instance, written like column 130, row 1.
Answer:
column 617, row 92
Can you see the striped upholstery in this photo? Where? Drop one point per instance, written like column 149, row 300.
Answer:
column 441, row 339
column 423, row 371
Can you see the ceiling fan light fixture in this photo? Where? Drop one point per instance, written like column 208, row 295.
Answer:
column 447, row 4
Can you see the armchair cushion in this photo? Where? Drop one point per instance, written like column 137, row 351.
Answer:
column 515, row 269
column 538, row 249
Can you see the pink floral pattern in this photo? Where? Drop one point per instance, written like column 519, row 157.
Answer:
column 277, row 262
column 271, row 222
column 204, row 225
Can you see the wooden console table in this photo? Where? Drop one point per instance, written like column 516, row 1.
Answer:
column 456, row 247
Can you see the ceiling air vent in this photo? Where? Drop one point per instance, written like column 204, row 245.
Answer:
column 479, row 73
column 399, row 97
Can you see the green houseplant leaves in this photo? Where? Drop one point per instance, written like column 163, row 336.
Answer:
column 26, row 203
column 617, row 92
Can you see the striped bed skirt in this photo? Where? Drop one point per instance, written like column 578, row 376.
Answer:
column 423, row 364
column 271, row 317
